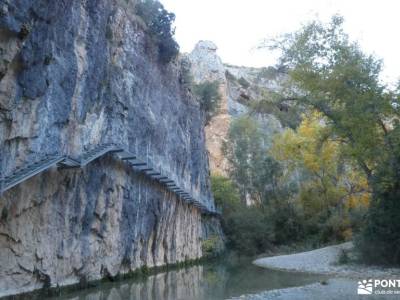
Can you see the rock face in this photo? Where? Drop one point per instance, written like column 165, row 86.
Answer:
column 238, row 87
column 207, row 66
column 246, row 85
column 76, row 74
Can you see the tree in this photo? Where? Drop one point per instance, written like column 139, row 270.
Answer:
column 225, row 193
column 331, row 187
column 380, row 239
column 160, row 24
column 246, row 228
column 332, row 75
column 209, row 97
column 254, row 172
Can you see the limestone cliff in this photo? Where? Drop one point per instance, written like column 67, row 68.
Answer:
column 206, row 65
column 239, row 86
column 75, row 74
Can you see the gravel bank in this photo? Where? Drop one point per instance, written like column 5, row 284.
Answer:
column 334, row 289
column 342, row 285
column 324, row 261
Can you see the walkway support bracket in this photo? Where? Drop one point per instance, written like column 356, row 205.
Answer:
column 22, row 174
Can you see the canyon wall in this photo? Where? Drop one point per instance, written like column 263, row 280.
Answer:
column 76, row 74
column 206, row 65
column 239, row 87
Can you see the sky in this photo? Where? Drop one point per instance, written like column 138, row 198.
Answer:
column 238, row 27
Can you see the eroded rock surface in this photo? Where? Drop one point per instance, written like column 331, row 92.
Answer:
column 239, row 87
column 75, row 74
column 208, row 66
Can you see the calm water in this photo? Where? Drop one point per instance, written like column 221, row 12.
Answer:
column 210, row 281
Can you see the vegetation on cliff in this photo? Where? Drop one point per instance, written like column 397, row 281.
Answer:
column 160, row 24
column 209, row 97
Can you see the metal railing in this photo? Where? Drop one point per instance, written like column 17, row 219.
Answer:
column 141, row 165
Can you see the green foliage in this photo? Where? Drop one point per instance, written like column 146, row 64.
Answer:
column 341, row 82
column 248, row 231
column 244, row 227
column 270, row 73
column 380, row 238
column 331, row 187
column 225, row 193
column 289, row 115
column 210, row 246
column 254, row 172
column 160, row 24
column 301, row 191
column 343, row 257
column 345, row 154
column 244, row 83
column 287, row 219
column 254, row 229
column 186, row 78
column 209, row 97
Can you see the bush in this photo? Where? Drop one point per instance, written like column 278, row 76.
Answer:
column 244, row 83
column 288, row 222
column 270, row 73
column 246, row 228
column 186, row 78
column 343, row 257
column 211, row 247
column 160, row 23
column 209, row 97
column 379, row 242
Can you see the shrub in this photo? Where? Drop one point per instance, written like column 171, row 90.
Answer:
column 246, row 228
column 211, row 247
column 225, row 193
column 288, row 222
column 270, row 73
column 380, row 238
column 244, row 83
column 186, row 78
column 379, row 242
column 160, row 23
column 209, row 97
column 343, row 257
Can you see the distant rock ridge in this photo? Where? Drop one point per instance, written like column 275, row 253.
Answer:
column 238, row 87
column 208, row 66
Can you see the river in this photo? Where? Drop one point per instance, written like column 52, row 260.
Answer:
column 221, row 279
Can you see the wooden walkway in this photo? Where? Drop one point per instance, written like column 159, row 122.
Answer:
column 22, row 174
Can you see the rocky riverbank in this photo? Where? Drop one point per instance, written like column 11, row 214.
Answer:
column 325, row 261
column 342, row 285
column 333, row 289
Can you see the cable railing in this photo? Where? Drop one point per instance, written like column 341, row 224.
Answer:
column 139, row 164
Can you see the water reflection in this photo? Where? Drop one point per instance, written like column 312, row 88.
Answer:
column 219, row 280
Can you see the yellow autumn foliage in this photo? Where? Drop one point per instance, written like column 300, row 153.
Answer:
column 331, row 182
